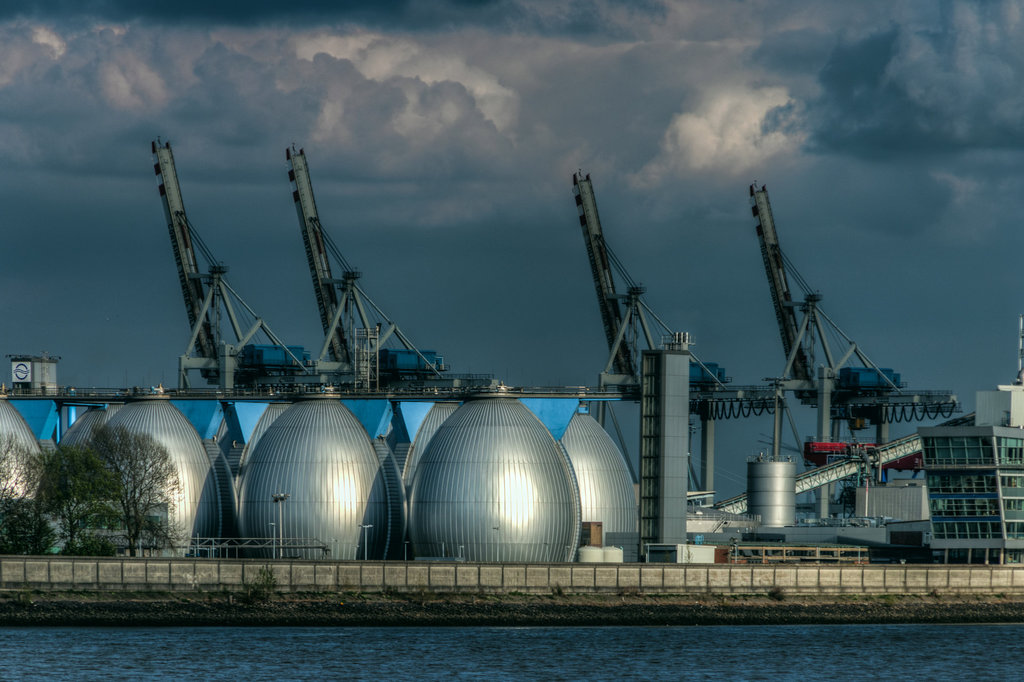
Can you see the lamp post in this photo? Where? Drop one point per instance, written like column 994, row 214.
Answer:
column 279, row 499
column 406, row 550
column 365, row 527
column 273, row 541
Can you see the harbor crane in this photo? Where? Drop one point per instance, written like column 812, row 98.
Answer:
column 355, row 328
column 630, row 325
column 624, row 316
column 842, row 392
column 209, row 298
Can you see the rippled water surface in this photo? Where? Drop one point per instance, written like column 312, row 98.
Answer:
column 838, row 652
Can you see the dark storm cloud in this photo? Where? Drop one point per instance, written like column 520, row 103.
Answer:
column 862, row 110
column 576, row 17
column 442, row 136
column 245, row 12
column 908, row 90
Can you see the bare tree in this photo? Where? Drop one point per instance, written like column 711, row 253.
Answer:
column 15, row 471
column 145, row 483
column 24, row 528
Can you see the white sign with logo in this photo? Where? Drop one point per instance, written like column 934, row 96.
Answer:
column 21, row 371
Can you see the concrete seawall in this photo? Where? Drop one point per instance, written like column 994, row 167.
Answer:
column 126, row 574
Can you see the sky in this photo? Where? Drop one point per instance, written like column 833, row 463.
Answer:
column 442, row 137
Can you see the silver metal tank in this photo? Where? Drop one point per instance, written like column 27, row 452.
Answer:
column 80, row 431
column 493, row 485
column 269, row 416
column 771, row 490
column 431, row 423
column 606, row 485
column 197, row 510
column 17, row 444
column 15, row 430
column 318, row 454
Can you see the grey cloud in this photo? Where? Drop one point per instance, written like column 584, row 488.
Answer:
column 909, row 90
column 577, row 17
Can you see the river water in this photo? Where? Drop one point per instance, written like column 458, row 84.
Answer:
column 244, row 654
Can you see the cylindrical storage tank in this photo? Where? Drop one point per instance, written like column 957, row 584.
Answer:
column 611, row 555
column 771, row 491
column 591, row 555
column 493, row 485
column 319, row 455
column 606, row 484
column 197, row 509
column 17, row 445
column 80, row 431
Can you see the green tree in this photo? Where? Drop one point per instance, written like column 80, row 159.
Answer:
column 77, row 490
column 25, row 528
column 145, row 483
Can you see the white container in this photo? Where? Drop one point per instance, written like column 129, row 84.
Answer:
column 612, row 555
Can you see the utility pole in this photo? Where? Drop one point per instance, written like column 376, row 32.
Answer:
column 365, row 527
column 279, row 499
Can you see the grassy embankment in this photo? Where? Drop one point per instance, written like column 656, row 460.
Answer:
column 261, row 607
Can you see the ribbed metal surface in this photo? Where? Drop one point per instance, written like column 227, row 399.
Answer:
column 273, row 411
column 197, row 508
column 80, row 432
column 771, row 492
column 606, row 486
column 397, row 507
column 495, row 483
column 14, row 427
column 16, row 435
column 431, row 423
column 319, row 454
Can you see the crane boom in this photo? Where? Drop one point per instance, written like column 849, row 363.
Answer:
column 189, row 276
column 774, row 268
column 600, row 268
column 324, row 285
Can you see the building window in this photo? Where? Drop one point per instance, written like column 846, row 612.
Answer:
column 965, row 507
column 966, row 530
column 1013, row 486
column 956, row 484
column 958, row 450
column 1011, row 451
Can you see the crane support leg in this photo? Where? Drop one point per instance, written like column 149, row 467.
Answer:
column 707, row 453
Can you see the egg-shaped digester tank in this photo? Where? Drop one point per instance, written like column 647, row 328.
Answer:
column 606, row 484
column 269, row 416
column 197, row 509
column 319, row 455
column 17, row 445
column 493, row 485
column 80, row 431
column 437, row 415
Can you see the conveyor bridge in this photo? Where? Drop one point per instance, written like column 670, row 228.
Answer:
column 830, row 473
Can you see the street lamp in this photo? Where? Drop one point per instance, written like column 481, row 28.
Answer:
column 280, row 498
column 365, row 527
column 273, row 541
